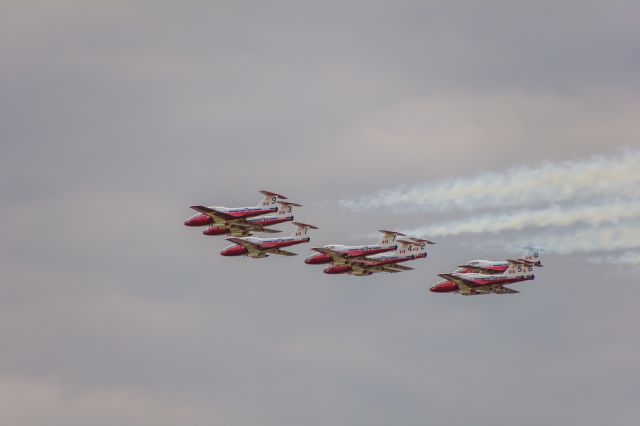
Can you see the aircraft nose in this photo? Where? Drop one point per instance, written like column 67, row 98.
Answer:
column 437, row 288
column 197, row 220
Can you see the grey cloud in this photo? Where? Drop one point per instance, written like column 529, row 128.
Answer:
column 116, row 116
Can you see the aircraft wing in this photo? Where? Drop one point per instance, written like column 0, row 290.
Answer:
column 283, row 252
column 251, row 247
column 244, row 230
column 479, row 269
column 458, row 280
column 503, row 290
column 469, row 288
column 336, row 257
column 495, row 289
column 395, row 268
column 363, row 262
column 213, row 214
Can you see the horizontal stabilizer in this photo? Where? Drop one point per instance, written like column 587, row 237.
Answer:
column 273, row 194
column 420, row 240
column 305, row 225
column 525, row 262
column 286, row 203
column 384, row 231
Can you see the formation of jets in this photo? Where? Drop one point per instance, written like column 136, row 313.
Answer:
column 386, row 255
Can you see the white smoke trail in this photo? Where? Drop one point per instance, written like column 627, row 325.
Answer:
column 584, row 240
column 553, row 216
column 616, row 175
column 626, row 258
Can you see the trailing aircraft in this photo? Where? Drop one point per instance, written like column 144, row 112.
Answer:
column 255, row 247
column 335, row 252
column 382, row 262
column 472, row 283
column 530, row 258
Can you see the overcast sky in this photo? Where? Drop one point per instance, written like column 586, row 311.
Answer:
column 116, row 116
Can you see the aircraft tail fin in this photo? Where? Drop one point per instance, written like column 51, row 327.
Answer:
column 419, row 245
column 404, row 247
column 302, row 229
column 270, row 199
column 388, row 237
column 518, row 267
column 285, row 208
column 532, row 256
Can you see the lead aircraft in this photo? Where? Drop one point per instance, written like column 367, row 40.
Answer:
column 384, row 262
column 334, row 252
column 241, row 221
column 256, row 248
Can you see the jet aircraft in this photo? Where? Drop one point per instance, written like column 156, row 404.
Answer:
column 333, row 252
column 255, row 247
column 382, row 262
column 255, row 224
column 530, row 258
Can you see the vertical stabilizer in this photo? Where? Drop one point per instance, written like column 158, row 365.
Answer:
column 270, row 199
column 302, row 230
column 388, row 238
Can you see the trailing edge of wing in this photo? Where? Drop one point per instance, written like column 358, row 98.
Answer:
column 273, row 194
column 283, row 252
column 266, row 230
column 396, row 268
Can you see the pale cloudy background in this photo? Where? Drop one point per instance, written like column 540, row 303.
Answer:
column 116, row 116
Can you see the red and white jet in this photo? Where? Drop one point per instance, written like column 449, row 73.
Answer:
column 383, row 262
column 472, row 283
column 262, row 247
column 530, row 258
column 235, row 220
column 335, row 252
column 255, row 224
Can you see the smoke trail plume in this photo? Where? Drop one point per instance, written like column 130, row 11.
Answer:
column 615, row 175
column 626, row 258
column 584, row 240
column 553, row 216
